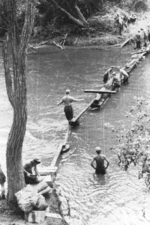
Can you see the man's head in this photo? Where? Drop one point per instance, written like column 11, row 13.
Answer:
column 67, row 91
column 98, row 150
column 36, row 161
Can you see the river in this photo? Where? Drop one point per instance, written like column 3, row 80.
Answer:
column 119, row 197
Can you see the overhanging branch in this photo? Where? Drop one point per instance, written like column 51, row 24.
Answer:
column 77, row 21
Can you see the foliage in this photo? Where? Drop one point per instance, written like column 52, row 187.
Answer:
column 51, row 21
column 134, row 143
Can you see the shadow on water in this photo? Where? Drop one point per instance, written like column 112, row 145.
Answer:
column 116, row 198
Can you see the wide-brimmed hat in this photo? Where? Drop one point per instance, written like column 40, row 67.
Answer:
column 36, row 160
column 98, row 149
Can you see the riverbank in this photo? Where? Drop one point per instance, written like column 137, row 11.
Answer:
column 102, row 31
column 9, row 215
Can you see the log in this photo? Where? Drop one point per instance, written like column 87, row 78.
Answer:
column 43, row 171
column 99, row 91
column 73, row 122
column 125, row 43
column 138, row 52
column 60, row 148
column 58, row 45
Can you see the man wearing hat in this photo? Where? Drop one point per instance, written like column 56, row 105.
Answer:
column 99, row 160
column 31, row 172
column 67, row 100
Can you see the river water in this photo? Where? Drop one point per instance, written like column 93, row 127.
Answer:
column 119, row 197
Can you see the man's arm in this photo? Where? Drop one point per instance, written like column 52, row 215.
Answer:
column 107, row 163
column 36, row 170
column 124, row 72
column 60, row 102
column 92, row 163
column 75, row 99
column 27, row 173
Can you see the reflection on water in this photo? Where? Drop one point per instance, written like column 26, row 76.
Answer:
column 116, row 198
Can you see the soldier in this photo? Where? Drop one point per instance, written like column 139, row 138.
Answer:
column 67, row 100
column 100, row 160
column 31, row 172
column 144, row 37
column 107, row 75
column 138, row 40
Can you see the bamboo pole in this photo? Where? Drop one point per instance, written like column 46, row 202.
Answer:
column 74, row 120
column 58, row 152
column 99, row 91
column 125, row 43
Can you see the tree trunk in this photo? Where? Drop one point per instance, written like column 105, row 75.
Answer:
column 14, row 55
column 15, row 140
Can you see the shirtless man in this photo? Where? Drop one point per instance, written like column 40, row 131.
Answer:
column 100, row 160
column 124, row 76
column 107, row 75
column 67, row 100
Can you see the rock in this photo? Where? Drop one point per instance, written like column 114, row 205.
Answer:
column 64, row 206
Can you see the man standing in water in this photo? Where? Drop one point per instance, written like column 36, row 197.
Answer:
column 67, row 100
column 100, row 160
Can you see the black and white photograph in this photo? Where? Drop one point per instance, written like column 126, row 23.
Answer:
column 75, row 112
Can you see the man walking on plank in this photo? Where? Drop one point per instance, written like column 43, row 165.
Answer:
column 99, row 160
column 67, row 100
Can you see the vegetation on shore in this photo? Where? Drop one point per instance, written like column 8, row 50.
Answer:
column 85, row 22
column 134, row 141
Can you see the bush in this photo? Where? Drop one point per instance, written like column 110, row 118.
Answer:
column 134, row 142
